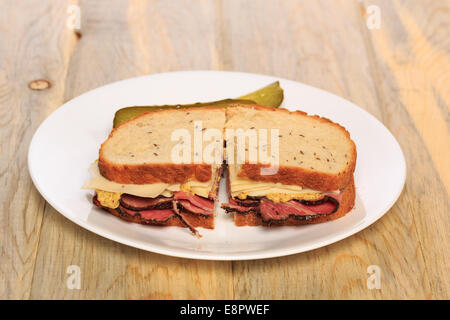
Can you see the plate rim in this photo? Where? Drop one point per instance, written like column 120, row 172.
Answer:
column 204, row 255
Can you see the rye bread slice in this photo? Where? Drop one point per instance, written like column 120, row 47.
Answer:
column 314, row 152
column 139, row 151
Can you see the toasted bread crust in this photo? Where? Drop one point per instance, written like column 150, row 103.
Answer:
column 299, row 176
column 346, row 204
column 197, row 220
column 153, row 173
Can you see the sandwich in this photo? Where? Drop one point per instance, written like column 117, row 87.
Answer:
column 137, row 178
column 312, row 180
column 283, row 168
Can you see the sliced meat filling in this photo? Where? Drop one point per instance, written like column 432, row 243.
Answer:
column 279, row 211
column 158, row 216
column 189, row 207
column 194, row 204
column 160, row 209
column 140, row 203
column 153, row 215
column 271, row 211
column 249, row 202
column 235, row 206
column 182, row 218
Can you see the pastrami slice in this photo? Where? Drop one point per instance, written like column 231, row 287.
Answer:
column 234, row 206
column 184, row 220
column 247, row 202
column 158, row 216
column 271, row 211
column 188, row 206
column 200, row 202
column 155, row 215
column 140, row 203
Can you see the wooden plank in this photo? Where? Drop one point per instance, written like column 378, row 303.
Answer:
column 309, row 42
column 28, row 51
column 323, row 43
column 412, row 67
column 413, row 48
column 118, row 41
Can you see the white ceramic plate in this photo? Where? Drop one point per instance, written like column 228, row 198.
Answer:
column 68, row 141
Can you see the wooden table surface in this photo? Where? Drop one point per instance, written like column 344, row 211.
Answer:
column 400, row 73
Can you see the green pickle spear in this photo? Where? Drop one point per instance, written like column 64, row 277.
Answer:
column 271, row 95
column 129, row 113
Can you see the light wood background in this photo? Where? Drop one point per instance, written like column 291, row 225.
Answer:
column 400, row 73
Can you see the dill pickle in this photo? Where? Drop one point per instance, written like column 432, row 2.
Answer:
column 129, row 113
column 271, row 95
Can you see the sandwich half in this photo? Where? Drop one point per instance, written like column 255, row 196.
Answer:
column 313, row 177
column 137, row 179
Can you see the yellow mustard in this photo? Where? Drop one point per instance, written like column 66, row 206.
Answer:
column 108, row 199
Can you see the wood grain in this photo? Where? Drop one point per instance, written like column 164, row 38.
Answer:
column 413, row 82
column 110, row 270
column 28, row 52
column 399, row 73
column 326, row 30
